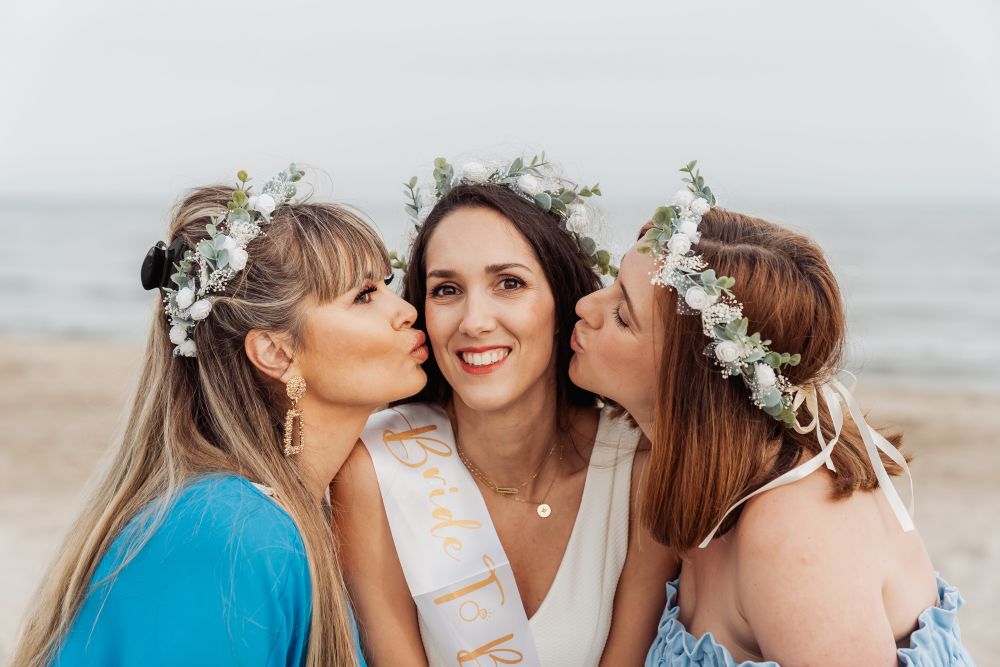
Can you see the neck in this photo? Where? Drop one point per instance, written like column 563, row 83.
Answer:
column 510, row 443
column 330, row 433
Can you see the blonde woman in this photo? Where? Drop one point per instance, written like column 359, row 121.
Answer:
column 208, row 540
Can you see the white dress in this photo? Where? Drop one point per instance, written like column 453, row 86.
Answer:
column 571, row 625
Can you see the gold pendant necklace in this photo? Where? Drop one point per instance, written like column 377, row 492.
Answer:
column 543, row 509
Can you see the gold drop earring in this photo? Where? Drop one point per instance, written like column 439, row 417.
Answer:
column 296, row 389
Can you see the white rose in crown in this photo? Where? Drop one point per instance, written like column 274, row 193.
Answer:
column 698, row 298
column 186, row 349
column 683, row 198
column 263, row 204
column 529, row 185
column 178, row 334
column 577, row 220
column 689, row 227
column 700, row 206
column 765, row 375
column 200, row 309
column 228, row 243
column 679, row 243
column 184, row 298
column 475, row 172
column 727, row 351
column 238, row 258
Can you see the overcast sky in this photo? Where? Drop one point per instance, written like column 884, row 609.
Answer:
column 855, row 99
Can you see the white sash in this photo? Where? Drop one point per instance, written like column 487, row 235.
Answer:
column 455, row 566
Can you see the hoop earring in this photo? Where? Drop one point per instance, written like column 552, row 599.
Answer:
column 296, row 389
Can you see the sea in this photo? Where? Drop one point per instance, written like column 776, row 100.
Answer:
column 921, row 284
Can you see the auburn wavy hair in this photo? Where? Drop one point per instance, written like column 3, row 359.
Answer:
column 711, row 446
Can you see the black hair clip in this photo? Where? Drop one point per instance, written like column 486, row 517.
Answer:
column 159, row 262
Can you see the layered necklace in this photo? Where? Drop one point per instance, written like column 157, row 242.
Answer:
column 542, row 508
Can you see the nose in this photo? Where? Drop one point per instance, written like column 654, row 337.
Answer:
column 588, row 308
column 404, row 314
column 478, row 317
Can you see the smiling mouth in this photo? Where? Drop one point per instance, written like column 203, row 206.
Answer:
column 478, row 362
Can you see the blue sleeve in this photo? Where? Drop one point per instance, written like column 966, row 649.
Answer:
column 223, row 581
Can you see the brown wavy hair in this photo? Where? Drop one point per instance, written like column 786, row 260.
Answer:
column 711, row 446
column 566, row 270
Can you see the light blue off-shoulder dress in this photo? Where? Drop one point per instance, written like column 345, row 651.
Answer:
column 935, row 643
column 224, row 580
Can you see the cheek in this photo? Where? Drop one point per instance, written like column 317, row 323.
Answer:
column 441, row 323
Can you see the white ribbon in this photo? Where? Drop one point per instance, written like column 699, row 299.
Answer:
column 833, row 393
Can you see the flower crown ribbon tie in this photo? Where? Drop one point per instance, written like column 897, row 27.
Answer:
column 834, row 394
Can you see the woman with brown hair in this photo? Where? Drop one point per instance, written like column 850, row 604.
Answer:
column 208, row 540
column 489, row 521
column 780, row 505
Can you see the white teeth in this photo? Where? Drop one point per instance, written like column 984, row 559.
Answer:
column 485, row 358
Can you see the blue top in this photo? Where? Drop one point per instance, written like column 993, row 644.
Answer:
column 935, row 643
column 224, row 580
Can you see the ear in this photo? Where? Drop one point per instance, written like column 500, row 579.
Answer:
column 271, row 353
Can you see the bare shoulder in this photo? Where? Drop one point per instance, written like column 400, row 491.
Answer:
column 803, row 560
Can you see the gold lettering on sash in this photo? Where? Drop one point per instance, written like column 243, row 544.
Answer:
column 395, row 441
column 475, row 586
column 493, row 650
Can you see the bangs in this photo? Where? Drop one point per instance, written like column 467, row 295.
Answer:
column 340, row 251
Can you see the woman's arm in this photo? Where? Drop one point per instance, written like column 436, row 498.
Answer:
column 641, row 593
column 387, row 615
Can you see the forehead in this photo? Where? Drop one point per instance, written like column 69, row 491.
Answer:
column 636, row 274
column 472, row 238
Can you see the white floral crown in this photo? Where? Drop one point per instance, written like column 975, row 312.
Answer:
column 534, row 180
column 670, row 240
column 208, row 268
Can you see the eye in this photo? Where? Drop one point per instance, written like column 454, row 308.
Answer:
column 365, row 295
column 510, row 283
column 618, row 317
column 443, row 290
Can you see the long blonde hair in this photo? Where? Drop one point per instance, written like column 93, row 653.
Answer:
column 217, row 413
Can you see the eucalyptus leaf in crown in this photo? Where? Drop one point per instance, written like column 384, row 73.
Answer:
column 671, row 240
column 208, row 268
column 535, row 180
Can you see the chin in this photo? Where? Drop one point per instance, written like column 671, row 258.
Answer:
column 409, row 385
column 485, row 399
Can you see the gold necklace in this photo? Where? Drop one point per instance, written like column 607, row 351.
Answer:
column 543, row 509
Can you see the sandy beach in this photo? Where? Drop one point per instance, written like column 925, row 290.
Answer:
column 62, row 404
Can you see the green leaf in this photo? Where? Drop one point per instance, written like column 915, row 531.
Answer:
column 557, row 204
column 690, row 165
column 663, row 215
column 795, row 359
column 613, row 270
column 651, row 234
column 239, row 216
column 771, row 398
column 440, row 163
column 596, row 189
column 516, row 166
column 772, row 359
column 412, row 183
column 644, row 250
column 207, row 249
column 544, row 201
column 744, row 323
column 754, row 357
column 222, row 260
column 603, row 258
column 239, row 197
column 588, row 245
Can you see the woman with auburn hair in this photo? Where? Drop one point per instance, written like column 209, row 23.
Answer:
column 489, row 520
column 208, row 541
column 795, row 547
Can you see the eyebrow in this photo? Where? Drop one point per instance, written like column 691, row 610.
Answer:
column 628, row 304
column 490, row 269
